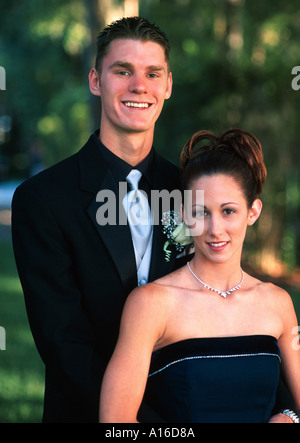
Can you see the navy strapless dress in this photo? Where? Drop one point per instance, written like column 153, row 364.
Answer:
column 215, row 380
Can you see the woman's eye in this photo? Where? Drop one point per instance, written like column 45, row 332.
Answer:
column 200, row 213
column 229, row 211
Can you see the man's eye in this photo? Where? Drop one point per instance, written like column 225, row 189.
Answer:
column 123, row 72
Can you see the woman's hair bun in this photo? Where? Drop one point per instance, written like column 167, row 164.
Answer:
column 234, row 152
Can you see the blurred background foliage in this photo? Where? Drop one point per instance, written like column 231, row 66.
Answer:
column 232, row 64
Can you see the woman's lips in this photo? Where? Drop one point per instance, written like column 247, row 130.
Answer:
column 217, row 246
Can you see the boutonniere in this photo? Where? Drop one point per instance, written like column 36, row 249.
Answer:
column 177, row 232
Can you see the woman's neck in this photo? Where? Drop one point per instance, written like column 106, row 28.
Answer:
column 221, row 276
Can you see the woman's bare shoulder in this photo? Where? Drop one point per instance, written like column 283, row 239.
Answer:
column 175, row 279
column 157, row 296
column 277, row 297
column 148, row 297
column 272, row 290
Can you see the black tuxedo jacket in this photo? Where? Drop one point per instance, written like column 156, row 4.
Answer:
column 76, row 275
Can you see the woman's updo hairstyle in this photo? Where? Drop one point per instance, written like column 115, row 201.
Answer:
column 236, row 153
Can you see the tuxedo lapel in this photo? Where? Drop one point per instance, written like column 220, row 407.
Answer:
column 97, row 179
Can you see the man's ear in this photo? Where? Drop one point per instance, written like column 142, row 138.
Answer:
column 169, row 86
column 255, row 212
column 94, row 82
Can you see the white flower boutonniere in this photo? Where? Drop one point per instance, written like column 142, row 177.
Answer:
column 177, row 232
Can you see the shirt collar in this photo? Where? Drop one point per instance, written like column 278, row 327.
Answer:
column 120, row 168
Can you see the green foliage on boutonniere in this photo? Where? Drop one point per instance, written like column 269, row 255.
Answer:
column 177, row 232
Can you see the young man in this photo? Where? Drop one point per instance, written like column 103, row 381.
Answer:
column 76, row 271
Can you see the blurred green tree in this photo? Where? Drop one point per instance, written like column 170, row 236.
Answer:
column 44, row 48
column 232, row 64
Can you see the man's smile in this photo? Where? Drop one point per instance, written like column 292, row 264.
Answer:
column 137, row 105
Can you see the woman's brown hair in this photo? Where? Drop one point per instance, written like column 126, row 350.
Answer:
column 236, row 153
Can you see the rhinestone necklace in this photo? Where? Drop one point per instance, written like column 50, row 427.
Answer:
column 222, row 293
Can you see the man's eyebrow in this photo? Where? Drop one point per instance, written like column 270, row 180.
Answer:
column 120, row 64
column 127, row 65
column 155, row 68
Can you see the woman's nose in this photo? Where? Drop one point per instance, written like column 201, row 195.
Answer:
column 215, row 226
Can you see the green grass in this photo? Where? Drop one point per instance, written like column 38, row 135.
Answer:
column 21, row 369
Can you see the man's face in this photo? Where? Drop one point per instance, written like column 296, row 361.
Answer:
column 133, row 84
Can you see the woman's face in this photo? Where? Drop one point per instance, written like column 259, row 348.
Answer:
column 224, row 217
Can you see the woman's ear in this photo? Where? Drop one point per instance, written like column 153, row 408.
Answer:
column 255, row 212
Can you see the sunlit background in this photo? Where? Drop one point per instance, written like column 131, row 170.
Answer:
column 232, row 64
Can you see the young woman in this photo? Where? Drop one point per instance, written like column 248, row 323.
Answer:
column 205, row 343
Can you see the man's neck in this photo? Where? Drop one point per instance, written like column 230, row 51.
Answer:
column 132, row 148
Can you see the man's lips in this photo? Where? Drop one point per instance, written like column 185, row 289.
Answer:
column 136, row 105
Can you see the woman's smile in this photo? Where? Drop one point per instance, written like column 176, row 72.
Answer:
column 225, row 216
column 217, row 246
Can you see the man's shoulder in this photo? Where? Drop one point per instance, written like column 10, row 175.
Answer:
column 168, row 171
column 51, row 177
column 166, row 163
column 59, row 176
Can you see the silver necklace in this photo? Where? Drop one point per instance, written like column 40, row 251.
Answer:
column 222, row 293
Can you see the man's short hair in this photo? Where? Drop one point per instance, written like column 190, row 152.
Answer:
column 134, row 28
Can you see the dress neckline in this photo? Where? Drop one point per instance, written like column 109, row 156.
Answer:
column 215, row 339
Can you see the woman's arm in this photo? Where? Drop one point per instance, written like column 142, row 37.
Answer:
column 290, row 348
column 125, row 379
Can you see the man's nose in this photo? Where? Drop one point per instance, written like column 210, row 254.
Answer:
column 138, row 84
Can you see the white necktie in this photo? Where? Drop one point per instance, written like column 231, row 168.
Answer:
column 138, row 214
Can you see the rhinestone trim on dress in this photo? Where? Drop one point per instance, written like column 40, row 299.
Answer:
column 214, row 356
